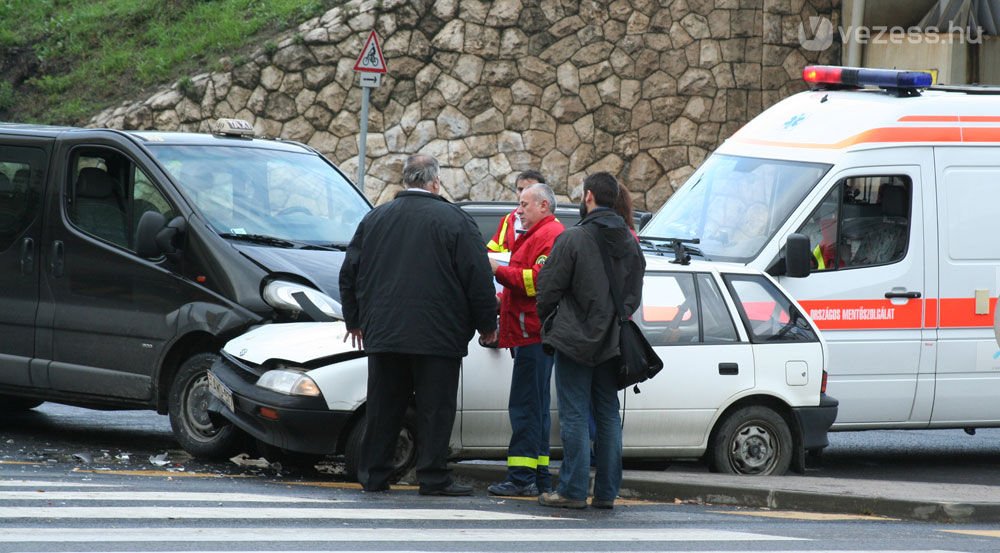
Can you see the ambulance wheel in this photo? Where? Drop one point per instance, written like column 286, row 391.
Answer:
column 753, row 440
column 404, row 458
column 188, row 407
column 12, row 404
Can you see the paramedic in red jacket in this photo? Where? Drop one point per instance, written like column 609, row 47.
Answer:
column 520, row 329
column 510, row 226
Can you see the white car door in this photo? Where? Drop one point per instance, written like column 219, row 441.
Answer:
column 685, row 318
column 486, row 374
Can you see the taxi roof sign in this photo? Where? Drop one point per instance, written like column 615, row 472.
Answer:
column 371, row 59
column 233, row 127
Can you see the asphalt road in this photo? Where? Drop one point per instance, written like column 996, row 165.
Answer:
column 60, row 508
column 81, row 480
column 60, row 434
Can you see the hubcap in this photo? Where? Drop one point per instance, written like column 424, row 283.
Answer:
column 754, row 450
column 404, row 449
column 196, row 408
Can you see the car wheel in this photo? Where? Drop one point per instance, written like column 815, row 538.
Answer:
column 12, row 404
column 753, row 440
column 403, row 459
column 188, row 406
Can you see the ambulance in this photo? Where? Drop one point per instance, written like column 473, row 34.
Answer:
column 874, row 198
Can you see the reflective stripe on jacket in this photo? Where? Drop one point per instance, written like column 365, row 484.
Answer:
column 504, row 237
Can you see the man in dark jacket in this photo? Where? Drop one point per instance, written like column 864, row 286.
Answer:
column 415, row 285
column 580, row 324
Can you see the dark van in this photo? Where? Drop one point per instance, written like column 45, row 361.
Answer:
column 127, row 259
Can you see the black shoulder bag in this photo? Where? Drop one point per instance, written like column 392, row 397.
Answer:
column 638, row 360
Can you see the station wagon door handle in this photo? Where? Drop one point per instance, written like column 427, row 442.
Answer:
column 56, row 264
column 27, row 256
column 729, row 368
column 907, row 295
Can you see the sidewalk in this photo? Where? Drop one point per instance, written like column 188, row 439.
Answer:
column 895, row 499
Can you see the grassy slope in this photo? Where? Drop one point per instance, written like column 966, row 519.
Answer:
column 61, row 61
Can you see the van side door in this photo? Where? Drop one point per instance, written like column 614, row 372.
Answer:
column 106, row 315
column 23, row 169
column 968, row 360
column 867, row 291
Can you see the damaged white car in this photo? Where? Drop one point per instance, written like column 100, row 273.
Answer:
column 743, row 385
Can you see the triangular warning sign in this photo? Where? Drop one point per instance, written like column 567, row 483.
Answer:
column 371, row 59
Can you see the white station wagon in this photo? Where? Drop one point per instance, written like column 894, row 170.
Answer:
column 743, row 384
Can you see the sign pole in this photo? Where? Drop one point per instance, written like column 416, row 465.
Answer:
column 363, row 138
column 371, row 66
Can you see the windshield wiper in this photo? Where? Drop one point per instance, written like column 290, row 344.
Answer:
column 678, row 246
column 277, row 242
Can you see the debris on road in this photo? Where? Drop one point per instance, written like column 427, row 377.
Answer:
column 244, row 460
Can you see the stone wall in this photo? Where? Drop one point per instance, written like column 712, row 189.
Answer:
column 640, row 88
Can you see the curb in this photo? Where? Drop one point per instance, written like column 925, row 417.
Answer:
column 783, row 499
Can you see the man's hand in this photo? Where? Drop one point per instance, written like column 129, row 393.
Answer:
column 356, row 341
column 494, row 264
column 490, row 339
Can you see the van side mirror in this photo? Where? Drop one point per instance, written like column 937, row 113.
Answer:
column 155, row 237
column 798, row 262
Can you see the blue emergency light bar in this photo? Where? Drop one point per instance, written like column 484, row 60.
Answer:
column 817, row 75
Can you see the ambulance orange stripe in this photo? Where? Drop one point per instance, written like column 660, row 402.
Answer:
column 930, row 313
column 929, row 119
column 980, row 134
column 893, row 134
column 883, row 314
column 961, row 312
column 654, row 314
column 949, row 119
column 880, row 135
column 864, row 314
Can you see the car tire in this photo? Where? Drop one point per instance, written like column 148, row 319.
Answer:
column 406, row 448
column 188, row 407
column 11, row 404
column 752, row 440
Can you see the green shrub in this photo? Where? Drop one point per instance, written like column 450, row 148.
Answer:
column 98, row 53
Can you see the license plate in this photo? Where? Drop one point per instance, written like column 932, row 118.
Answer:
column 220, row 391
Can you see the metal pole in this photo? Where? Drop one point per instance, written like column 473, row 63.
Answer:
column 363, row 138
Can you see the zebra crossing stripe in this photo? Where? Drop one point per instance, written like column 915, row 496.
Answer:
column 159, row 496
column 368, row 535
column 518, row 551
column 256, row 513
column 51, row 484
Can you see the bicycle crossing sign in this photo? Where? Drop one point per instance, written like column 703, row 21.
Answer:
column 371, row 59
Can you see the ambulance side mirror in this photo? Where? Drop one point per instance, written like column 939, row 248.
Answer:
column 798, row 261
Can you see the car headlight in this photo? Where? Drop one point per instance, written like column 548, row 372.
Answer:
column 278, row 294
column 289, row 382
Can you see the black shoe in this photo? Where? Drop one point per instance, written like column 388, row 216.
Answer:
column 376, row 490
column 451, row 490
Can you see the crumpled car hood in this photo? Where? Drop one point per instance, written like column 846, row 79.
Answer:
column 294, row 342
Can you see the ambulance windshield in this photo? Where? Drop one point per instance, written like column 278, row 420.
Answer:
column 734, row 204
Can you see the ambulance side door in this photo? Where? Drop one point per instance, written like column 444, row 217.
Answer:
column 968, row 360
column 868, row 287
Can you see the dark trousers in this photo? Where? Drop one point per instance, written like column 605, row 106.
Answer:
column 528, row 408
column 393, row 378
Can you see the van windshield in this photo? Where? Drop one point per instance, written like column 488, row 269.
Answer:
column 734, row 205
column 279, row 195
